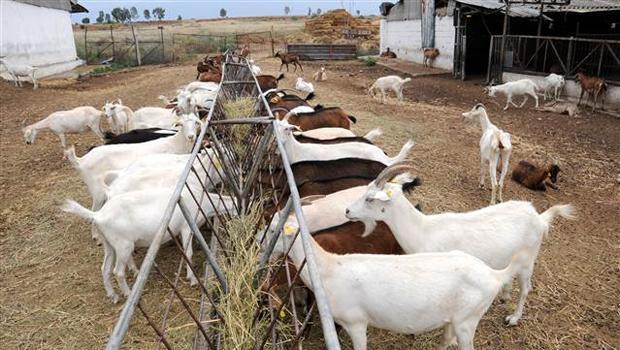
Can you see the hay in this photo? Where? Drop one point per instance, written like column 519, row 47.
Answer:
column 242, row 107
column 238, row 305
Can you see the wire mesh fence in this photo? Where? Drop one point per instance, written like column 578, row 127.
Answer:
column 566, row 56
column 239, row 295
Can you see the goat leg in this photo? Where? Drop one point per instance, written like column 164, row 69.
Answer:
column 552, row 185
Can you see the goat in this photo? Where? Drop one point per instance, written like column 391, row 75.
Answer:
column 390, row 82
column 137, row 136
column 320, row 75
column 325, row 117
column 298, row 152
column 551, row 82
column 211, row 76
column 93, row 165
column 77, row 120
column 132, row 220
column 331, row 133
column 304, row 86
column 534, row 176
column 123, row 119
column 268, row 82
column 306, row 139
column 430, row 54
column 594, row 86
column 287, row 59
column 494, row 145
column 561, row 107
column 388, row 53
column 495, row 234
column 392, row 292
column 205, row 66
column 523, row 87
column 17, row 70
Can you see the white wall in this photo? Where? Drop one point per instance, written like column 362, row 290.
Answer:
column 572, row 90
column 38, row 36
column 405, row 39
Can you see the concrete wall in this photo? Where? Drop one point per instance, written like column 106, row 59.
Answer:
column 39, row 36
column 573, row 89
column 405, row 39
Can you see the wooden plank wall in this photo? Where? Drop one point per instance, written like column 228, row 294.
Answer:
column 323, row 51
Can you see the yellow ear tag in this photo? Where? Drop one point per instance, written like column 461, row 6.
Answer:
column 289, row 230
column 282, row 314
column 275, row 99
column 389, row 193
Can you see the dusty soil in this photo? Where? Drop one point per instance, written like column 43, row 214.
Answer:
column 51, row 296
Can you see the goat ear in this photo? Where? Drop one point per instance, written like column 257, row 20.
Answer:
column 383, row 196
column 309, row 199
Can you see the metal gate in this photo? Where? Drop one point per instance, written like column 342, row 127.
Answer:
column 239, row 159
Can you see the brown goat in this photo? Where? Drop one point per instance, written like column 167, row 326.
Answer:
column 284, row 102
column 213, row 76
column 594, row 86
column 322, row 118
column 388, row 54
column 533, row 176
column 429, row 56
column 268, row 82
column 287, row 59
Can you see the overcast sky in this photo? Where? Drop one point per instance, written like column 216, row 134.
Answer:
column 235, row 8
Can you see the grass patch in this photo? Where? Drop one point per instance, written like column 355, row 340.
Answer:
column 368, row 60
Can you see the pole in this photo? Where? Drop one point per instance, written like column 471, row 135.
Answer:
column 272, row 44
column 173, row 46
column 503, row 46
column 135, row 41
column 113, row 46
column 163, row 51
column 539, row 31
column 86, row 43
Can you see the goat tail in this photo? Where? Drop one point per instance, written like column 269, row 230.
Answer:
column 280, row 77
column 406, row 80
column 403, row 152
column 567, row 211
column 352, row 118
column 373, row 134
column 502, row 140
column 76, row 208
column 518, row 262
column 71, row 157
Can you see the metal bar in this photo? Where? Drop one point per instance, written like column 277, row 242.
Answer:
column 154, row 326
column 205, row 247
column 563, row 38
column 327, row 321
column 235, row 82
column 600, row 61
column 253, row 120
column 489, row 61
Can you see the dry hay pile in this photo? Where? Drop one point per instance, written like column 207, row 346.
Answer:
column 328, row 29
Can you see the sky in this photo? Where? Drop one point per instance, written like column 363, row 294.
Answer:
column 235, row 8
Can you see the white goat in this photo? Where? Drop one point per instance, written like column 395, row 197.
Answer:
column 552, row 83
column 299, row 152
column 304, row 86
column 402, row 293
column 561, row 107
column 334, row 133
column 124, row 119
column 17, row 70
column 133, row 219
column 494, row 234
column 494, row 145
column 390, row 82
column 94, row 165
column 523, row 87
column 320, row 75
column 200, row 85
column 254, row 68
column 77, row 120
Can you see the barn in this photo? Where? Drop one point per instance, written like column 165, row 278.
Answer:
column 39, row 33
column 542, row 36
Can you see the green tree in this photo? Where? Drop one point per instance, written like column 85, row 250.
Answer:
column 101, row 17
column 108, row 18
column 179, row 18
column 358, row 12
column 118, row 14
column 222, row 12
column 309, row 12
column 147, row 14
column 287, row 10
column 159, row 13
column 318, row 11
column 86, row 20
column 134, row 13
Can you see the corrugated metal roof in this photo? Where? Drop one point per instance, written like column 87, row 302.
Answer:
column 516, row 10
column 584, row 6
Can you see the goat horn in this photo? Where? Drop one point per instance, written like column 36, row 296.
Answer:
column 390, row 172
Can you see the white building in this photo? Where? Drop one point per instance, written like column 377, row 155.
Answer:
column 39, row 33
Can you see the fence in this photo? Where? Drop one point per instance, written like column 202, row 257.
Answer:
column 135, row 45
column 323, row 51
column 566, row 56
column 238, row 158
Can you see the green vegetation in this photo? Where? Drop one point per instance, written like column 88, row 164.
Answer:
column 368, row 60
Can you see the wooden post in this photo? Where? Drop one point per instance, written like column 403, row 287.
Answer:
column 490, row 59
column 503, row 46
column 173, row 47
column 113, row 46
column 272, row 43
column 86, row 44
column 538, row 32
column 163, row 51
column 135, row 41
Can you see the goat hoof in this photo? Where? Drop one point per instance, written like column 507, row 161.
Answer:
column 193, row 282
column 511, row 320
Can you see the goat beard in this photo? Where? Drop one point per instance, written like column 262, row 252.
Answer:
column 369, row 227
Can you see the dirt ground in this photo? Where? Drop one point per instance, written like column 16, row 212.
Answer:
column 51, row 296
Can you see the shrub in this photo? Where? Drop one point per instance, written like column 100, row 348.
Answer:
column 369, row 60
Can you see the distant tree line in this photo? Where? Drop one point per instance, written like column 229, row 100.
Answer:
column 124, row 15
